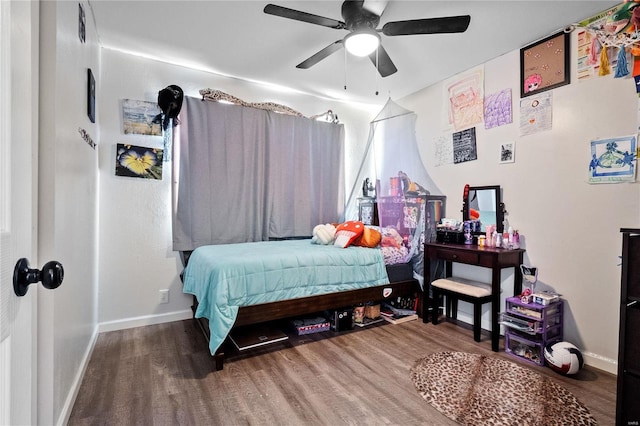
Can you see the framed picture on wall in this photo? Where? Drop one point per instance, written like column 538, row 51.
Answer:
column 508, row 152
column 545, row 64
column 91, row 96
column 82, row 24
column 139, row 161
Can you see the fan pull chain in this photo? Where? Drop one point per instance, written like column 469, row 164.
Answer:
column 377, row 69
column 345, row 69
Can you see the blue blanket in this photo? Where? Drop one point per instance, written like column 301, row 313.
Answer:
column 225, row 277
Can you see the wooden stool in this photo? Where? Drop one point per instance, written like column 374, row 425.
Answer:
column 455, row 288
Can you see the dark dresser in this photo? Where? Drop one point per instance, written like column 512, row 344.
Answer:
column 627, row 407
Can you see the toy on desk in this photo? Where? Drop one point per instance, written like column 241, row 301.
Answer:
column 526, row 296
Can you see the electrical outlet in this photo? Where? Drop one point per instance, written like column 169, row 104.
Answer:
column 164, row 296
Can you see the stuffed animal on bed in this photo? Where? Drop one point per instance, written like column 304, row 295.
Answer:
column 323, row 234
column 391, row 238
column 370, row 238
column 348, row 232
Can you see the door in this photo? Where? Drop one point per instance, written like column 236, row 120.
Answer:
column 18, row 190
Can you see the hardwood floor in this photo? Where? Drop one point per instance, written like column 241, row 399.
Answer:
column 162, row 375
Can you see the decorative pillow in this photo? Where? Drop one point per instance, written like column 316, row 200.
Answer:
column 323, row 234
column 370, row 238
column 347, row 232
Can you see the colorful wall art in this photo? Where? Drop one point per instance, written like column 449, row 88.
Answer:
column 465, row 99
column 139, row 161
column 613, row 160
column 497, row 109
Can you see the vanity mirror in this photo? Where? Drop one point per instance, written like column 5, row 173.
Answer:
column 485, row 204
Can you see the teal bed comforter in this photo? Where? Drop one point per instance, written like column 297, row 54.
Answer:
column 226, row 277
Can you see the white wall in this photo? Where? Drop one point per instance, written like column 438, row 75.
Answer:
column 570, row 228
column 136, row 255
column 67, row 207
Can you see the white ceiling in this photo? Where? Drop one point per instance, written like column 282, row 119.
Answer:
column 235, row 38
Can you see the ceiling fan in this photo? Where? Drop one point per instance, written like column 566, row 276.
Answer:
column 361, row 19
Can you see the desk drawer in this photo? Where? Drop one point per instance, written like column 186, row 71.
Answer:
column 457, row 256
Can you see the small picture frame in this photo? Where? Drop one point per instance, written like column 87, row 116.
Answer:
column 82, row 24
column 545, row 64
column 91, row 96
column 507, row 152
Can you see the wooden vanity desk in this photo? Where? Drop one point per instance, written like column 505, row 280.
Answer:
column 489, row 257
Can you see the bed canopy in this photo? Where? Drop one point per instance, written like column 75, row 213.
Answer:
column 392, row 171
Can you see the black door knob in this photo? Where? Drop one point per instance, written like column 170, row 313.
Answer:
column 51, row 275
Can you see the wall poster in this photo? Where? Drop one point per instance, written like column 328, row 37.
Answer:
column 613, row 160
column 497, row 109
column 137, row 117
column 464, row 146
column 535, row 113
column 465, row 99
column 444, row 150
column 138, row 161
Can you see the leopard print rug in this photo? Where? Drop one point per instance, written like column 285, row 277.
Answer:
column 475, row 389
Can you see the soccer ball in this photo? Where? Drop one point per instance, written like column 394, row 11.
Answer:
column 563, row 357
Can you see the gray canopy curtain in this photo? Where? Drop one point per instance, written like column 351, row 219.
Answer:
column 243, row 174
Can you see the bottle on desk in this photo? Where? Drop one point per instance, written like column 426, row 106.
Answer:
column 516, row 239
column 468, row 236
column 490, row 230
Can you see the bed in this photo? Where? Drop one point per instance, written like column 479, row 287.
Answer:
column 249, row 283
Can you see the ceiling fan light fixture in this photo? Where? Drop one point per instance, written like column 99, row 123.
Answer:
column 362, row 42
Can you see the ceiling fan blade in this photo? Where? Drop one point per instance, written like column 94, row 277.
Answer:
column 284, row 12
column 450, row 24
column 375, row 6
column 384, row 63
column 314, row 59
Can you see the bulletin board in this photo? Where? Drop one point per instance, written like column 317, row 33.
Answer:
column 545, row 64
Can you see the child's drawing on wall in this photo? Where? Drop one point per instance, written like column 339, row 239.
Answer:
column 613, row 160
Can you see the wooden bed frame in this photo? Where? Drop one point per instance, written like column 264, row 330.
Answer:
column 255, row 314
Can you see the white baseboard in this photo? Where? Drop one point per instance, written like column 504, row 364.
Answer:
column 126, row 323
column 601, row 363
column 77, row 381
